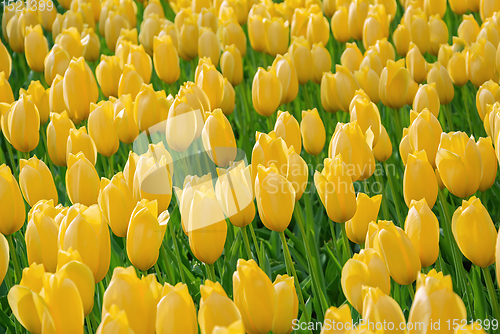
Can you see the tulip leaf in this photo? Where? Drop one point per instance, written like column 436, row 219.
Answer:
column 480, row 306
column 267, row 265
column 5, row 320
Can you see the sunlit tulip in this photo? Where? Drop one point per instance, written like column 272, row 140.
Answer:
column 459, row 163
column 365, row 269
column 488, row 8
column 269, row 149
column 5, row 60
column 422, row 227
column 481, row 62
column 80, row 141
column 211, row 82
column 286, row 304
column 102, row 130
column 208, row 45
column 383, row 150
column 255, row 296
column 335, row 189
column 489, row 161
column 397, row 250
column 379, row 307
column 229, row 98
column 218, row 138
column 321, row 61
column 420, row 32
column 435, row 301
column 367, row 115
column 147, row 108
column 458, row 6
column 136, row 297
column 287, row 127
column 351, row 57
column 334, row 316
column 183, row 124
column 357, row 226
column 368, row 81
column 176, row 312
column 165, row 58
column 489, row 32
column 340, row 20
column 24, row 124
column 231, row 65
column 358, row 10
column 57, row 137
column 70, row 40
column 216, row 309
column 300, row 53
column 337, row 90
column 277, row 32
column 150, row 27
column 80, row 89
column 419, row 181
column 36, row 48
column 56, row 62
column 318, row 29
column 141, row 62
column 40, row 98
column 488, row 93
column 475, row 232
column 85, row 230
column 12, row 203
column 287, row 75
column 313, row 131
column 82, row 180
column 230, row 32
column 16, row 30
column 108, row 73
column 91, row 45
column 427, row 97
column 438, row 33
column 394, row 84
column 375, row 26
column 444, row 86
column 206, row 227
column 266, row 91
column 36, row 181
column 402, row 40
column 124, row 121
column 416, row 64
column 115, row 21
column 257, row 33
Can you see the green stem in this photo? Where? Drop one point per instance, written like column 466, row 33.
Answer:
column 393, row 192
column 410, row 290
column 334, row 237
column 17, row 268
column 163, row 253
column 385, row 210
column 448, row 117
column 347, row 248
column 270, row 124
column 246, row 242
column 12, row 161
column 464, row 96
column 104, row 164
column 89, row 324
column 111, row 171
column 211, row 272
column 177, row 254
column 291, row 271
column 158, row 273
column 491, row 293
column 256, row 244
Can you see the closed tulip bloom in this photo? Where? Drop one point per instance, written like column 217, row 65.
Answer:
column 277, row 32
column 297, row 173
column 480, row 59
column 141, row 61
column 150, row 27
column 335, row 189
column 397, row 250
column 365, row 269
column 300, row 52
column 124, row 121
column 147, row 108
column 230, row 32
column 286, row 304
column 490, row 166
column 489, row 32
column 266, row 91
column 422, row 227
column 417, row 170
column 340, row 20
column 357, row 226
column 231, row 65
column 115, row 21
column 318, row 29
column 256, row 33
column 427, row 97
column 378, row 306
column 369, row 82
column 394, row 84
column 488, row 93
column 436, row 301
column 36, row 181
column 269, row 149
column 206, row 228
column 102, row 130
column 383, row 150
column 358, row 10
column 85, row 230
column 56, row 96
column 216, row 309
column 321, row 60
column 313, row 132
column 334, row 315
column 108, row 73
column 351, row 57
column 145, row 234
column 57, row 137
column 56, row 62
column 165, row 59
column 367, row 116
column 402, row 40
column 179, row 138
column 444, row 86
column 420, row 32
column 438, row 33
column 374, row 28
column 188, row 39
column 80, row 141
column 337, row 90
column 475, row 232
column 459, row 163
column 5, row 60
column 218, row 139
column 36, row 48
column 70, row 40
column 4, row 257
column 287, row 127
column 12, row 203
column 208, row 45
column 40, row 97
column 488, row 8
column 136, row 297
column 287, row 74
column 175, row 312
column 208, row 18
column 82, row 180
column 91, row 45
column 78, row 100
column 24, row 124
column 229, row 99
column 211, row 82
column 459, row 7
column 255, row 297
column 417, row 66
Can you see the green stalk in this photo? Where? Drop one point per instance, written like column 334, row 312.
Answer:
column 334, row 238
column 347, row 248
column 448, row 117
column 158, row 273
column 12, row 161
column 491, row 293
column 104, row 164
column 410, row 290
column 464, row 96
column 393, row 192
column 291, row 272
column 245, row 241
column 385, row 210
column 256, row 244
column 270, row 124
column 211, row 272
column 111, row 171
column 17, row 268
column 163, row 254
column 177, row 254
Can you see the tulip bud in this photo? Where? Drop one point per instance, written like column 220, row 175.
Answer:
column 340, row 316
column 124, row 121
column 256, row 32
column 366, row 269
column 179, row 138
column 367, row 115
column 6, row 95
column 12, row 203
column 427, row 97
column 402, row 40
column 165, row 59
column 321, row 61
column 266, row 91
column 383, row 150
column 396, row 249
column 488, row 8
column 211, row 82
column 250, row 280
column 269, row 149
column 57, row 136
column 459, row 163
column 141, row 62
column 480, row 59
column 489, row 161
column 351, row 57
column 85, row 230
column 459, row 7
column 228, row 102
column 189, row 32
column 231, row 65
column 444, row 86
column 358, row 10
column 208, row 45
column 374, row 28
column 40, row 98
column 335, row 189
column 36, row 48
column 56, row 62
column 115, row 22
column 176, row 312
column 422, row 227
column 218, row 139
column 102, row 130
column 36, row 181
column 69, row 39
column 318, row 29
column 5, row 61
column 438, row 33
column 277, row 32
column 417, row 170
column 80, row 141
column 340, row 20
column 357, row 226
column 288, row 128
column 336, row 96
column 313, row 131
column 78, row 101
column 300, row 52
column 286, row 304
column 417, row 66
column 24, row 115
column 378, row 306
column 488, row 94
column 420, row 32
column 232, row 33
column 394, row 84
column 287, row 74
column 108, row 74
column 82, row 180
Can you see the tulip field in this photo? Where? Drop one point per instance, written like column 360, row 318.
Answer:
column 249, row 166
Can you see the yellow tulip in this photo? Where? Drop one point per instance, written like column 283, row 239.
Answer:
column 5, row 60
column 24, row 124
column 108, row 74
column 358, row 10
column 6, row 94
column 422, row 227
column 136, row 297
column 300, row 53
column 84, row 229
column 397, row 250
column 230, row 32
column 488, row 93
column 459, row 163
column 368, row 81
column 234, row 328
column 438, row 33
column 211, row 82
column 340, row 20
column 124, row 121
column 176, row 312
column 490, row 166
column 472, row 328
column 402, row 40
column 40, row 98
column 231, row 65
column 69, row 39
column 357, row 226
column 130, row 82
column 218, row 138
column 318, row 29
column 36, row 181
column 286, row 304
column 181, row 113
column 417, row 66
column 312, row 131
column 166, row 59
column 255, row 297
column 337, row 90
column 297, row 173
column 475, row 232
column 335, row 189
column 321, row 62
column 383, row 150
column 78, row 100
column 115, row 21
column 57, row 135
column 80, row 141
column 147, row 108
column 367, row 115
column 102, row 130
column 150, row 27
column 287, row 127
column 12, row 203
column 41, row 235
column 271, row 184
column 488, row 8
column 379, row 307
column 141, row 62
column 287, row 75
column 256, row 32
column 91, row 45
column 480, row 59
column 82, row 180
column 4, row 257
column 351, row 57
column 375, row 26
column 266, row 91
column 435, row 301
column 16, row 27
column 459, row 6
column 334, row 316
column 269, row 149
column 188, row 42
column 427, row 97
column 208, row 18
column 366, row 268
column 277, row 32
column 36, row 49
column 419, row 31
column 56, row 62
column 208, row 45
column 229, row 98
column 419, row 181
column 394, row 84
